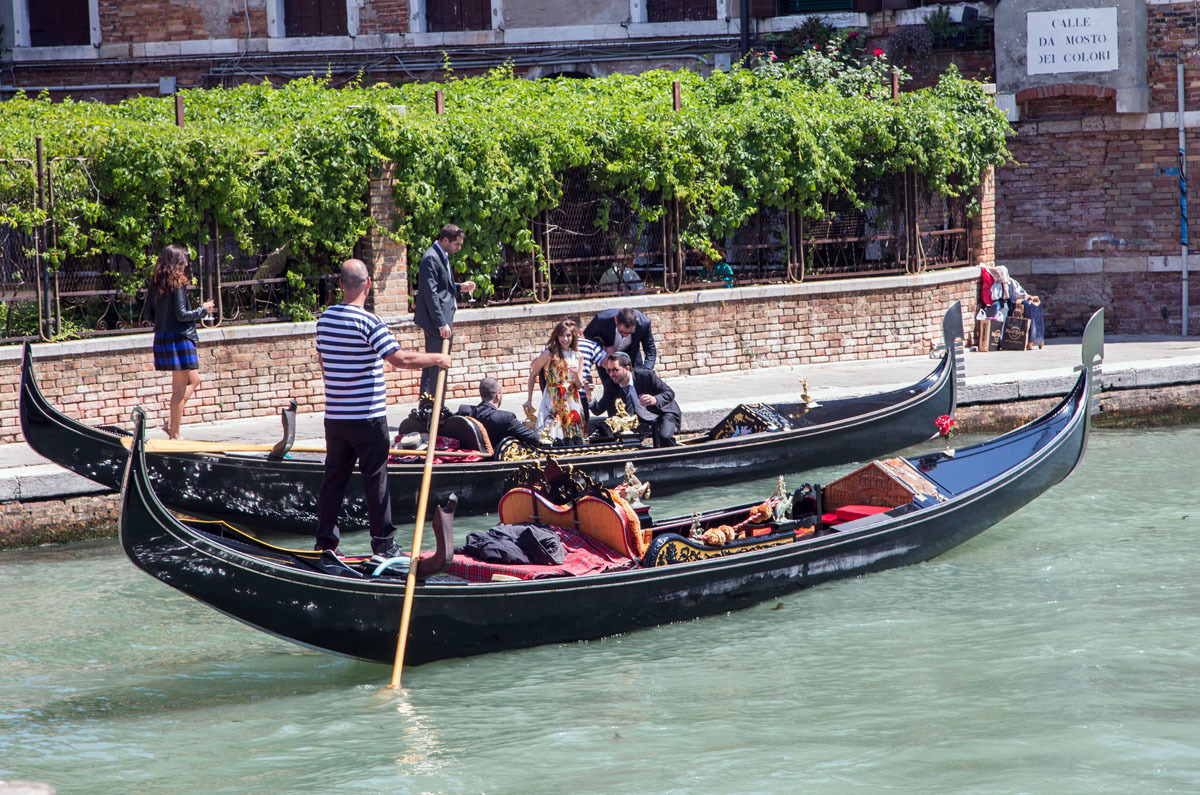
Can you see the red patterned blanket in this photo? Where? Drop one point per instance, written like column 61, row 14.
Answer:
column 583, row 556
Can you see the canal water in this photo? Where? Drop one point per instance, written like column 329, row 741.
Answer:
column 1057, row 652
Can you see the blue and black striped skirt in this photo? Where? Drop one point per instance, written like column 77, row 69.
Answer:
column 175, row 352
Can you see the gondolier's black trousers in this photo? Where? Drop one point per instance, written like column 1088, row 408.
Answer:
column 350, row 442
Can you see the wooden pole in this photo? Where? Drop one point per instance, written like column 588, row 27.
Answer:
column 411, row 583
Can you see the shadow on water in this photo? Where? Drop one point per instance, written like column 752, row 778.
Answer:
column 200, row 684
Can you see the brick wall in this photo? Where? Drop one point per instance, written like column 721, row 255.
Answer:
column 386, row 258
column 383, row 16
column 136, row 21
column 27, row 524
column 1170, row 34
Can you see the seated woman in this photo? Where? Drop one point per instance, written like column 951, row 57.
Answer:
column 560, row 414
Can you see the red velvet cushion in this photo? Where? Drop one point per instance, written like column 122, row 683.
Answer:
column 850, row 512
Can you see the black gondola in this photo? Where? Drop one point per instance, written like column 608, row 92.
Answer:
column 321, row 602
column 281, row 494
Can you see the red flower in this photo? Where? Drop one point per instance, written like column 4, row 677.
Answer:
column 945, row 425
column 574, row 418
column 878, row 52
column 562, row 391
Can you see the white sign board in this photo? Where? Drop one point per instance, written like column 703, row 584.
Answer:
column 1071, row 40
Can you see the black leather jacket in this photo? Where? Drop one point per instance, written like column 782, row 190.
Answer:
column 173, row 313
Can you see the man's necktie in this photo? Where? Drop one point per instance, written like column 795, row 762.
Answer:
column 634, row 405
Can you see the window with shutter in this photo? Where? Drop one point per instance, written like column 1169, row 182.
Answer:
column 680, row 10
column 59, row 23
column 315, row 18
column 449, row 15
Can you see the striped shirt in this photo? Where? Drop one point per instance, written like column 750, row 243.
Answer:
column 352, row 343
column 590, row 354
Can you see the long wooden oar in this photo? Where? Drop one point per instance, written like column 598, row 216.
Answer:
column 411, row 583
column 189, row 446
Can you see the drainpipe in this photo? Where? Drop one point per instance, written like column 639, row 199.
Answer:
column 745, row 40
column 1183, row 199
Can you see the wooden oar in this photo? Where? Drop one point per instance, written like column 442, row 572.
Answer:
column 411, row 583
column 189, row 446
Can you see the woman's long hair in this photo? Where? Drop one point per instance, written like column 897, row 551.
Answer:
column 553, row 345
column 170, row 271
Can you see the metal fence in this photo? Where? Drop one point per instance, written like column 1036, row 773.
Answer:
column 97, row 295
column 592, row 244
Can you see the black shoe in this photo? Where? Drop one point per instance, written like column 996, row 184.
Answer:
column 394, row 551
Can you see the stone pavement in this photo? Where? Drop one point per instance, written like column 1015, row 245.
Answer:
column 1002, row 376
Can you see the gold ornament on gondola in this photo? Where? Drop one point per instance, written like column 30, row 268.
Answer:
column 530, row 418
column 781, row 508
column 809, row 403
column 632, row 490
column 623, row 422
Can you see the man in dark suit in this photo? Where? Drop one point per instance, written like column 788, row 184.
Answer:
column 437, row 297
column 645, row 395
column 499, row 424
column 623, row 331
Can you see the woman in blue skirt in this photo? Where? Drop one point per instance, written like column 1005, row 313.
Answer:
column 175, row 330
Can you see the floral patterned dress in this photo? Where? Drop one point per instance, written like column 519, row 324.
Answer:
column 560, row 411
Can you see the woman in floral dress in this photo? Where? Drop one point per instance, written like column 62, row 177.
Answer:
column 560, row 414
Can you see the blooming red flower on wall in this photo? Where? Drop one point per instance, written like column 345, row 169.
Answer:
column 878, row 52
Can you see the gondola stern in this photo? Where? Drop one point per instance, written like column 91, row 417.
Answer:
column 1092, row 367
column 953, row 338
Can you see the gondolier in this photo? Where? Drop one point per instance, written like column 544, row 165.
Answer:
column 352, row 345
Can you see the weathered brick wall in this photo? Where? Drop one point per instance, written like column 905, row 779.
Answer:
column 45, row 521
column 383, row 16
column 250, row 372
column 1171, row 34
column 385, row 258
column 136, row 21
column 983, row 225
column 1088, row 214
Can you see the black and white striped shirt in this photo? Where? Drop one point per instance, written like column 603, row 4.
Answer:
column 352, row 343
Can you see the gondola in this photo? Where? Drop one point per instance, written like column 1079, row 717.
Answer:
column 280, row 494
column 337, row 605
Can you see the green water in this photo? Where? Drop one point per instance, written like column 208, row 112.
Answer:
column 1058, row 652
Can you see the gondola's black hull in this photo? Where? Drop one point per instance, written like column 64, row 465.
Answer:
column 282, row 495
column 361, row 618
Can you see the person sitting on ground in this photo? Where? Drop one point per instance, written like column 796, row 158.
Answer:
column 644, row 395
column 560, row 414
column 626, row 330
column 499, row 424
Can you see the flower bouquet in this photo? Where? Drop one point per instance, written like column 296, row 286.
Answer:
column 945, row 427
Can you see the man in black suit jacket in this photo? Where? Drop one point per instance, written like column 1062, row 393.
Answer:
column 437, row 297
column 623, row 331
column 645, row 395
column 499, row 424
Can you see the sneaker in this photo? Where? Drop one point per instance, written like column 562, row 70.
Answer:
column 391, row 552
